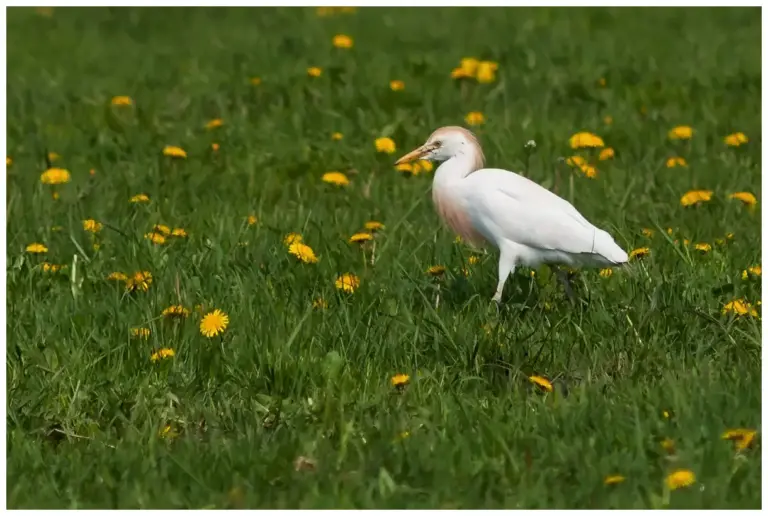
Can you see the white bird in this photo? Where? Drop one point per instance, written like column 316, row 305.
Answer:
column 527, row 223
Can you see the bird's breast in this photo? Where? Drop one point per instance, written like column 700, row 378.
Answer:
column 456, row 216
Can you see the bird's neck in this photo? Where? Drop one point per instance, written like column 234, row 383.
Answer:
column 458, row 167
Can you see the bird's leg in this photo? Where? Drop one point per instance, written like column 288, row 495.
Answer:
column 562, row 275
column 506, row 267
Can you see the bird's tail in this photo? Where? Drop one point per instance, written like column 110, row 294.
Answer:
column 606, row 248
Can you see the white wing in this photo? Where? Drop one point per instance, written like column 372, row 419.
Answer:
column 517, row 209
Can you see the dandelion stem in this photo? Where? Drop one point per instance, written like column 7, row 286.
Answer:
column 373, row 252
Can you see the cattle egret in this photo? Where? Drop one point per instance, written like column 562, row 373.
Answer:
column 527, row 223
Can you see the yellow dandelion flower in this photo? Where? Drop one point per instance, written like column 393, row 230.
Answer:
column 405, row 167
column 469, row 66
column 589, row 171
column 290, row 238
column 436, row 270
column 37, row 248
column 55, row 196
column 745, row 197
column 255, row 81
column 141, row 280
column 155, row 238
column 167, row 432
column 703, row 247
column 647, row 232
column 736, row 139
column 92, row 225
column 140, row 198
column 342, row 41
column 486, row 71
column 52, row 267
column 303, row 252
column 53, row 156
column 639, row 252
column 347, row 282
column 162, row 229
column 314, row 71
column 611, row 480
column 680, row 478
column 360, row 238
column 373, row 225
column 474, row 118
column 400, row 380
column 55, row 176
column 694, row 197
column 117, row 276
column 396, row 85
column 460, row 73
column 215, row 147
column 385, row 144
column 174, row 151
column 337, row 136
column 335, row 178
column 319, row 304
column 252, row 220
column 754, row 271
column 425, row 165
column 179, row 232
column 739, row 307
column 474, row 259
column 161, row 354
column 606, row 153
column 122, row 100
column 542, row 382
column 742, row 437
column 606, row 273
column 175, row 311
column 585, row 140
column 141, row 333
column 729, row 236
column 681, row 132
column 213, row 124
column 214, row 323
column 676, row 161
column 581, row 163
column 668, row 445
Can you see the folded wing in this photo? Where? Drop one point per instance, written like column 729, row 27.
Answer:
column 519, row 210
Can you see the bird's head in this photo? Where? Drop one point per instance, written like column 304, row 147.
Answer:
column 444, row 144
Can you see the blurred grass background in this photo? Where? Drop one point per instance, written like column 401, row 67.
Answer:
column 93, row 422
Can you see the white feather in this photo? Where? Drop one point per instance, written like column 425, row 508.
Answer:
column 510, row 209
column 529, row 224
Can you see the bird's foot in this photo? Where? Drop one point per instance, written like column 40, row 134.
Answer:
column 563, row 275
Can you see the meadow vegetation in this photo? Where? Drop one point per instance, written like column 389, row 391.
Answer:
column 198, row 315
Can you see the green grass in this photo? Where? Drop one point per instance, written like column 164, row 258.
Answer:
column 86, row 406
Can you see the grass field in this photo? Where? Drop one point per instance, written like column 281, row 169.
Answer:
column 293, row 405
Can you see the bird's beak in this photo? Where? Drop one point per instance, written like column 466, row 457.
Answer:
column 416, row 153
